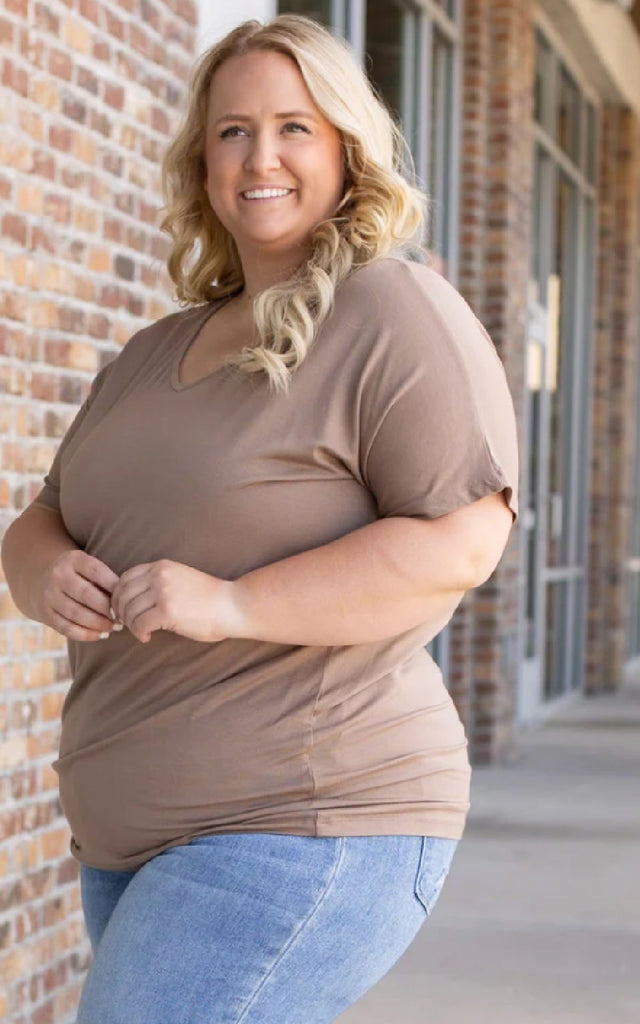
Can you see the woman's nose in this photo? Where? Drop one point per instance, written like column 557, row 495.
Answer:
column 262, row 153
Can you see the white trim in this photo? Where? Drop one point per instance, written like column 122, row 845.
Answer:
column 572, row 56
column 546, row 711
column 357, row 24
column 599, row 44
column 568, row 165
column 215, row 20
column 449, row 27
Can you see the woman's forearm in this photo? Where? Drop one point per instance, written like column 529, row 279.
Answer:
column 373, row 583
column 29, row 546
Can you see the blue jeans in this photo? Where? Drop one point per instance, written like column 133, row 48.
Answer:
column 255, row 928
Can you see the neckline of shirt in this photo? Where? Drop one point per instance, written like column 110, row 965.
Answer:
column 190, row 336
column 199, row 324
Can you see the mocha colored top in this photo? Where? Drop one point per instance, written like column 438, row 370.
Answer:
column 401, row 408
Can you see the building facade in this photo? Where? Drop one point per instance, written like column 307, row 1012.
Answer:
column 523, row 119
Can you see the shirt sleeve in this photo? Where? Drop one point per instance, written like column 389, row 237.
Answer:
column 49, row 495
column 438, row 424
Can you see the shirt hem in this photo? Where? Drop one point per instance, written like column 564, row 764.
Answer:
column 442, row 824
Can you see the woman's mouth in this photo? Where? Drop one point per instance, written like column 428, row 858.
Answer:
column 263, row 194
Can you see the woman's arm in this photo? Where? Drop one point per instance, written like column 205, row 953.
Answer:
column 54, row 581
column 375, row 582
column 29, row 547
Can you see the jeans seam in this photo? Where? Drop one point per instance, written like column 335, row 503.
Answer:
column 422, row 857
column 296, row 933
column 425, row 898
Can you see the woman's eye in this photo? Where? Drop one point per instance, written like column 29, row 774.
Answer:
column 231, row 131
column 227, row 131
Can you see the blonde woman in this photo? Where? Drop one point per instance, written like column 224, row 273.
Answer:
column 269, row 503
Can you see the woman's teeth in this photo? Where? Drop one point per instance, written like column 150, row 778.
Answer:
column 266, row 193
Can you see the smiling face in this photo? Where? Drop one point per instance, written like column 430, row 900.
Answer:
column 264, row 131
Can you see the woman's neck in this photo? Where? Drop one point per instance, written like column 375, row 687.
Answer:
column 261, row 273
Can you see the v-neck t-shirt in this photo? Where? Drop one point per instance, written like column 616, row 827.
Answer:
column 400, row 408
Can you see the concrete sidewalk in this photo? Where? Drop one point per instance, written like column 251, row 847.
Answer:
column 539, row 920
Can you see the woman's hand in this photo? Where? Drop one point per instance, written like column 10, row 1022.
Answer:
column 75, row 596
column 172, row 596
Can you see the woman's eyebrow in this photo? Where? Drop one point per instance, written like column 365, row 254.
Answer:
column 289, row 113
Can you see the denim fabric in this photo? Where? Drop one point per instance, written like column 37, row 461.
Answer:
column 255, row 928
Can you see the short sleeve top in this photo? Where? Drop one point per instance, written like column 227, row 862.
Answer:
column 401, row 408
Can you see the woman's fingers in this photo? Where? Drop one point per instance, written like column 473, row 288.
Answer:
column 77, row 596
column 72, row 630
column 76, row 611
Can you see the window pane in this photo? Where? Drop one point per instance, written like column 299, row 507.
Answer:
column 590, row 155
column 543, row 114
column 588, row 246
column 319, row 10
column 384, row 45
column 394, row 45
column 562, row 374
column 440, row 141
column 559, row 640
column 540, row 226
column 569, row 115
column 633, row 590
column 538, row 84
column 534, row 383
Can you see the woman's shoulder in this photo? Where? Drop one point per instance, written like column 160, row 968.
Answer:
column 167, row 324
column 413, row 309
column 394, row 283
column 164, row 330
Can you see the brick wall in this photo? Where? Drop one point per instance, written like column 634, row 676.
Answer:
column 471, row 269
column 508, row 244
column 614, row 414
column 495, row 214
column 90, row 92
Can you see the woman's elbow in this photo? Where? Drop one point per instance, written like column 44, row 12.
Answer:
column 487, row 556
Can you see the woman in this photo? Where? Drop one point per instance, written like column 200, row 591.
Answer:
column 282, row 492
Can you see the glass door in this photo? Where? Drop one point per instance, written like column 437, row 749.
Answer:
column 536, row 499
column 556, row 444
column 569, row 388
column 633, row 562
column 558, row 388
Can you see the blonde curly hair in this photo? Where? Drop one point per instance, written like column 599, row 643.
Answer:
column 382, row 209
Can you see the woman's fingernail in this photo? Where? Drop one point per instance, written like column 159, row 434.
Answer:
column 112, row 613
column 103, row 636
column 117, row 628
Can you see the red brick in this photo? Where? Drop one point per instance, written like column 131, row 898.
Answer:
column 62, row 318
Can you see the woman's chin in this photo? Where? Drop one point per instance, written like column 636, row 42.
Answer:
column 272, row 239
